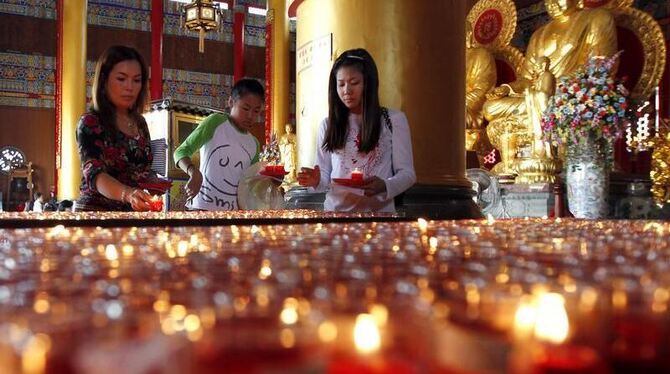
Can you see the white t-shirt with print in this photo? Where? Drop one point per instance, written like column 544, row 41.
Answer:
column 225, row 152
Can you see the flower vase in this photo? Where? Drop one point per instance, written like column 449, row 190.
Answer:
column 587, row 179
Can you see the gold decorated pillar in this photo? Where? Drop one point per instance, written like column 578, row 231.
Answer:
column 72, row 56
column 419, row 50
column 280, row 64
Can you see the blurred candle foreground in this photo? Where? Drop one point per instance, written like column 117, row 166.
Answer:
column 549, row 351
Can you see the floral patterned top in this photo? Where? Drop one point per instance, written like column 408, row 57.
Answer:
column 101, row 150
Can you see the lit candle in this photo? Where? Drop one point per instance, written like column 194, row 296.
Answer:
column 366, row 334
column 357, row 175
column 551, row 353
column 156, row 203
column 370, row 353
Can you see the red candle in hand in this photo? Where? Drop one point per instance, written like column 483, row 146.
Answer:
column 156, row 204
column 357, row 176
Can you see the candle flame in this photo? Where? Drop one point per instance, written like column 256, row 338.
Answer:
column 33, row 360
column 433, row 244
column 289, row 314
column 380, row 314
column 524, row 318
column 366, row 334
column 552, row 323
column 423, row 225
column 327, row 331
column 266, row 270
column 182, row 248
column 111, row 253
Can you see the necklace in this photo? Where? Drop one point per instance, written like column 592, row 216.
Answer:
column 130, row 123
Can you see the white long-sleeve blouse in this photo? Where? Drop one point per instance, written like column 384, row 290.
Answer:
column 391, row 160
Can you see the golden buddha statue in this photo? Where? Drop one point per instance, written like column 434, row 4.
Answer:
column 568, row 41
column 480, row 78
column 288, row 153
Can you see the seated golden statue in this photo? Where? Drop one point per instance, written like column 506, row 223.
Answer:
column 288, row 153
column 480, row 78
column 568, row 41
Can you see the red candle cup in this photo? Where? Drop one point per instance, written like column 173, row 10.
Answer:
column 637, row 344
column 373, row 365
column 357, row 176
column 279, row 169
column 567, row 359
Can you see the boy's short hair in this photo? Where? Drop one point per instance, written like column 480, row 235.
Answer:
column 65, row 205
column 247, row 86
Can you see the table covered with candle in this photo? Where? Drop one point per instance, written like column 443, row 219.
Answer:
column 315, row 292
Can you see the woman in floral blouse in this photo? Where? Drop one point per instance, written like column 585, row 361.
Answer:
column 113, row 137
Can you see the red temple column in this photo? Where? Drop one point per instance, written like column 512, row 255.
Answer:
column 238, row 42
column 156, row 73
column 268, row 75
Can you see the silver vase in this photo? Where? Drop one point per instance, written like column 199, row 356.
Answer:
column 587, row 179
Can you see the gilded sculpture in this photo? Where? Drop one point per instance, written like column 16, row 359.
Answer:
column 568, row 40
column 289, row 155
column 660, row 163
column 480, row 77
column 542, row 162
column 493, row 24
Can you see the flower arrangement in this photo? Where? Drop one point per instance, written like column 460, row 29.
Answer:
column 270, row 153
column 589, row 103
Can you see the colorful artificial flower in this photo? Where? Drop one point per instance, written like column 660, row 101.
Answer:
column 587, row 103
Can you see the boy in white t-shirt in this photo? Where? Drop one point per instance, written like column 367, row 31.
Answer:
column 226, row 150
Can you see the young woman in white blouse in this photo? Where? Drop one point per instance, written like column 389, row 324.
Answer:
column 360, row 135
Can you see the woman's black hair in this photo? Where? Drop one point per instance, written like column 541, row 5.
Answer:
column 102, row 106
column 247, row 86
column 338, row 113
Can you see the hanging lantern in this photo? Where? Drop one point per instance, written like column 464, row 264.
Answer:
column 201, row 16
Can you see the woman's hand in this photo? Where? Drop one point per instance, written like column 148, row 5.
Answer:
column 308, row 177
column 373, row 186
column 194, row 183
column 139, row 200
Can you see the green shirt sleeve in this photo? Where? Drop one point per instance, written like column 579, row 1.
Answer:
column 201, row 135
column 258, row 152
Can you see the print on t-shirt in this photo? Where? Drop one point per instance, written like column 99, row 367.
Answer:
column 220, row 187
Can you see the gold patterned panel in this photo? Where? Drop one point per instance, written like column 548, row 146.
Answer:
column 649, row 32
column 493, row 23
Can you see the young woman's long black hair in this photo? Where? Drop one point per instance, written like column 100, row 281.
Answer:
column 101, row 105
column 338, row 113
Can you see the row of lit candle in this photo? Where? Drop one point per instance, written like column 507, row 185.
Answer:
column 522, row 294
